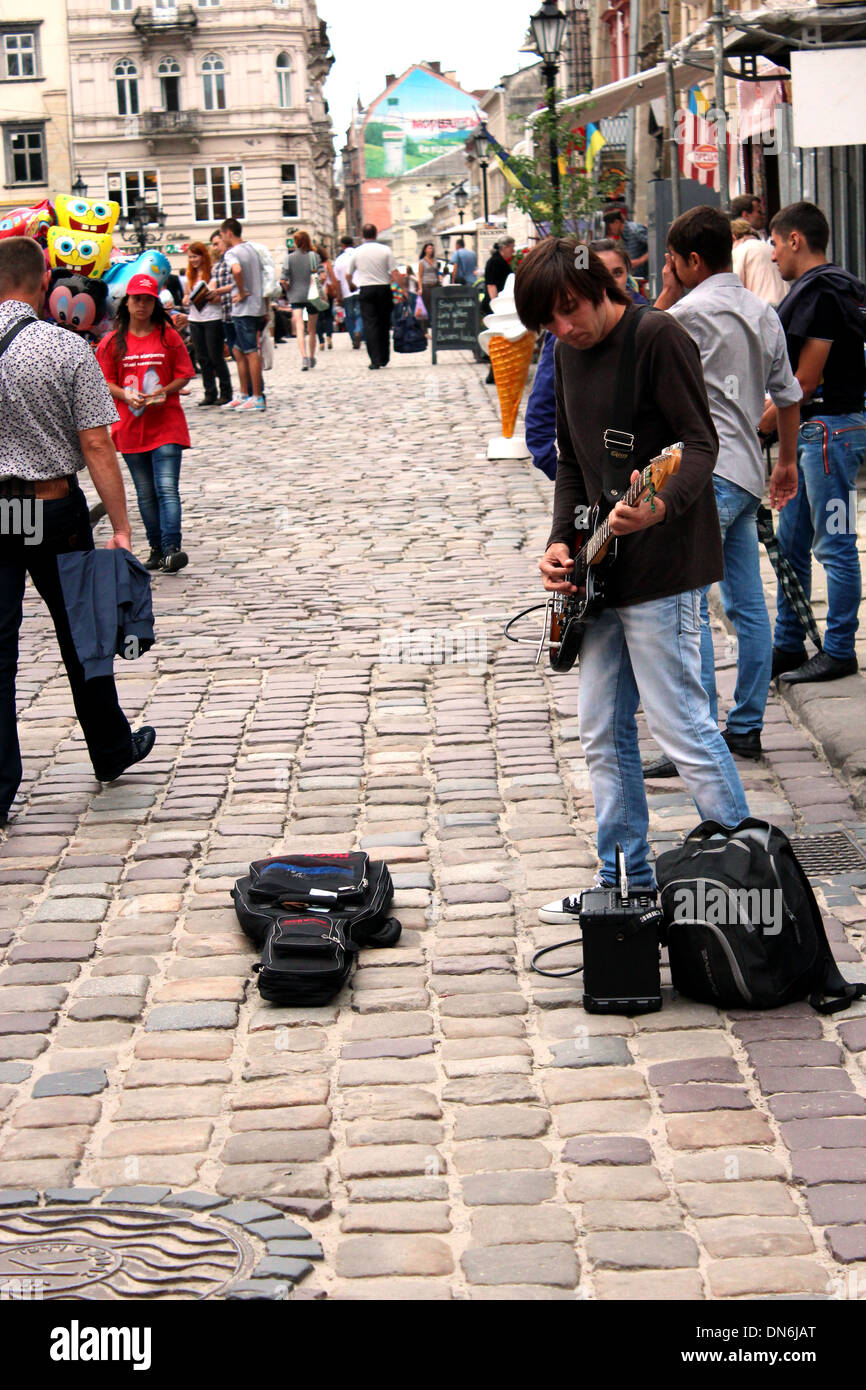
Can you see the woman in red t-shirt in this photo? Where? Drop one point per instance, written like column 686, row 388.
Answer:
column 146, row 364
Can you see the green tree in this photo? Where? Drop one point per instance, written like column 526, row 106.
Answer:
column 581, row 193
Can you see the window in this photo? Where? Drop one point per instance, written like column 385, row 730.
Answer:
column 126, row 83
column 218, row 192
column 20, row 56
column 168, row 73
column 289, row 181
column 214, row 83
column 128, row 186
column 281, row 4
column 284, row 79
column 121, row 4
column 25, row 154
column 205, row 4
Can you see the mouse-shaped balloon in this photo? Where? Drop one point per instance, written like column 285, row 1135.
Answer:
column 76, row 302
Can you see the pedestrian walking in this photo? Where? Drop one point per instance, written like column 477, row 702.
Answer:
column 371, row 266
column 496, row 272
column 329, row 289
column 350, row 296
column 248, row 308
column 55, row 409
column 744, row 357
column 146, row 364
column 823, row 319
column 222, row 289
column 465, row 265
column 298, row 278
column 428, row 276
column 206, row 326
column 632, row 234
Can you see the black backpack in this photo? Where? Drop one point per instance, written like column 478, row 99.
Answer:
column 743, row 928
column 351, row 886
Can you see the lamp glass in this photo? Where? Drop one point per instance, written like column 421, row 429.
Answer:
column 481, row 146
column 461, row 198
column 547, row 27
column 79, row 188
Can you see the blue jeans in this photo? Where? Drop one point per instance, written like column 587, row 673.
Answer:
column 156, row 475
column 352, row 307
column 649, row 652
column 743, row 599
column 821, row 520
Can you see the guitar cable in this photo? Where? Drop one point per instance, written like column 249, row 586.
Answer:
column 556, row 974
column 533, row 608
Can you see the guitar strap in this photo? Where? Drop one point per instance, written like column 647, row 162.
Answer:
column 617, row 465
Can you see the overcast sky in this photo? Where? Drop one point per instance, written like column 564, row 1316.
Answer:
column 370, row 38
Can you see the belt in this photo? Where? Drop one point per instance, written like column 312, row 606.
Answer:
column 48, row 489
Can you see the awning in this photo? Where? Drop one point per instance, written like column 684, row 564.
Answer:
column 633, row 91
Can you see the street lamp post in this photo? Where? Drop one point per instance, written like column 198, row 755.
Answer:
column 461, row 198
column 139, row 224
column 79, row 188
column 481, row 144
column 547, row 27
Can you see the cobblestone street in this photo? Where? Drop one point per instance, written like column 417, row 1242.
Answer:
column 457, row 1126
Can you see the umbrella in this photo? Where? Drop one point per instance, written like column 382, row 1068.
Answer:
column 791, row 586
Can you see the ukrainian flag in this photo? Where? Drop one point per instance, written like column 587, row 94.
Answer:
column 698, row 103
column 503, row 159
column 594, row 142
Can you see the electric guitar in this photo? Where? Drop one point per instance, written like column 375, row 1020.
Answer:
column 569, row 615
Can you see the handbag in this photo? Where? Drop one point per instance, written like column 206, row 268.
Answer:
column 318, row 303
column 420, row 308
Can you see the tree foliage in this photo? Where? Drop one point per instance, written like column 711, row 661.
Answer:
column 581, row 193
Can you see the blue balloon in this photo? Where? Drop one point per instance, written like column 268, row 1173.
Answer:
column 118, row 276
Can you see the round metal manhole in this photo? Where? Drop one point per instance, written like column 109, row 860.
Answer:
column 105, row 1252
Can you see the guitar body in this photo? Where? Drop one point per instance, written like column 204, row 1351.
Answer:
column 572, row 614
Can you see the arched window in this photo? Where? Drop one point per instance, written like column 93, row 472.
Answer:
column 168, row 73
column 284, row 79
column 213, row 77
column 126, row 83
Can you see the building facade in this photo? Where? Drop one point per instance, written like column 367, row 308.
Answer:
column 413, row 196
column 34, row 106
column 208, row 110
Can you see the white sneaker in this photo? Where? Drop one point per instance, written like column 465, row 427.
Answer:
column 252, row 403
column 561, row 910
column 234, row 403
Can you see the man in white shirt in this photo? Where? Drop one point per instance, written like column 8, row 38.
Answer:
column 372, row 266
column 351, row 298
column 753, row 263
column 743, row 356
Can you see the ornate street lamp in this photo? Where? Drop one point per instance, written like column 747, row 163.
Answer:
column 461, row 199
column 139, row 224
column 482, row 142
column 79, row 188
column 547, row 28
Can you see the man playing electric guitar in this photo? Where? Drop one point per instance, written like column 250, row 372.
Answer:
column 628, row 383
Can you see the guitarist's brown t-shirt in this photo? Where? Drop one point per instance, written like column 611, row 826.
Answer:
column 670, row 404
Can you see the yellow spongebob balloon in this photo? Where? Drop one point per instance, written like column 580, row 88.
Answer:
column 87, row 253
column 96, row 215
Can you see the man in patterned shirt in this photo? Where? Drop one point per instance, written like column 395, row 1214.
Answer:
column 55, row 409
column 225, row 285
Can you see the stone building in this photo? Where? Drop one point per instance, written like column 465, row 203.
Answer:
column 34, row 109
column 208, row 111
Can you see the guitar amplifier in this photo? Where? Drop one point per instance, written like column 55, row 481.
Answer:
column 620, row 930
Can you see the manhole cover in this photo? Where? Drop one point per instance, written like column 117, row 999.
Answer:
column 833, row 853
column 114, row 1253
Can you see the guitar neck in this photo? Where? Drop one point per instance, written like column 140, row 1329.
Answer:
column 600, row 537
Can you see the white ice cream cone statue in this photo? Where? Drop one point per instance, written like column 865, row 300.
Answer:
column 509, row 345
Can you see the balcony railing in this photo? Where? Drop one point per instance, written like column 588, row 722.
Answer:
column 149, row 22
column 170, row 122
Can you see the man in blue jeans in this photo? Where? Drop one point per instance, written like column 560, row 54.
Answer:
column 645, row 645
column 823, row 319
column 743, row 355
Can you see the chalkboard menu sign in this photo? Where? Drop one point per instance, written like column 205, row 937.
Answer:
column 455, row 319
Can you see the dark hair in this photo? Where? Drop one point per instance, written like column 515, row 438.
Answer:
column 232, row 225
column 158, row 317
column 302, row 241
column 607, row 243
column 550, row 274
column 216, row 232
column 424, row 250
column 743, row 203
column 368, row 231
column 461, row 244
column 612, row 215
column 22, row 264
column 707, row 232
column 808, row 220
column 347, row 241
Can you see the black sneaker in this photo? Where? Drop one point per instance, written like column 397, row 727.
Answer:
column 746, row 745
column 660, row 767
column 207, row 401
column 174, row 559
column 154, row 559
column 786, row 661
column 142, row 742
column 822, row 667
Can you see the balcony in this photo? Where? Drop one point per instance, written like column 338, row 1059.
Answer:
column 178, row 21
column 159, row 126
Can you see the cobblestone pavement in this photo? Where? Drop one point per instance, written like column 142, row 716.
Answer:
column 456, row 1127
